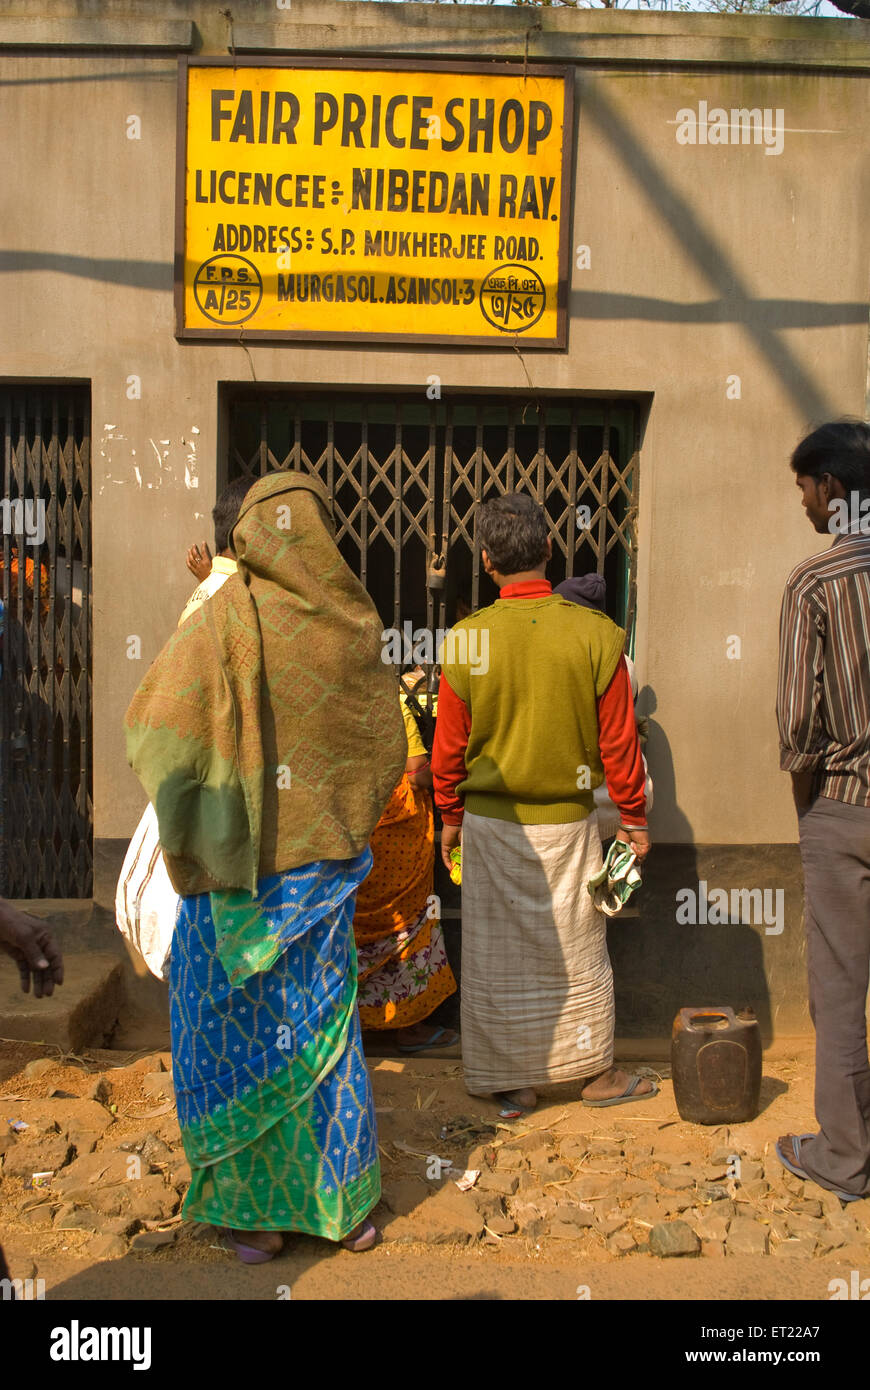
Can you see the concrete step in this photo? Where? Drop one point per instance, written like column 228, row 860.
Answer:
column 85, row 927
column 84, row 1010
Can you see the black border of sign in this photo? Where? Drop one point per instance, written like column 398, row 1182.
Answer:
column 350, row 64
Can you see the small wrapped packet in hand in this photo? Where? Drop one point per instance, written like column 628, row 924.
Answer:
column 611, row 888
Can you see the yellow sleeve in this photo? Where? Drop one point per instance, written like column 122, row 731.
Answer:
column 416, row 748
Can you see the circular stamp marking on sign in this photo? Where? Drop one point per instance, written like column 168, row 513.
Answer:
column 513, row 297
column 227, row 288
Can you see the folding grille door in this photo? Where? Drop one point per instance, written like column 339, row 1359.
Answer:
column 46, row 844
column 405, row 475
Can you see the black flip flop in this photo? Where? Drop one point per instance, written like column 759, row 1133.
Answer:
column 627, row 1095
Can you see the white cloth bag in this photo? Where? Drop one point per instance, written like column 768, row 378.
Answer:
column 146, row 904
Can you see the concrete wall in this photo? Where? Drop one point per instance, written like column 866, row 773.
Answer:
column 706, row 262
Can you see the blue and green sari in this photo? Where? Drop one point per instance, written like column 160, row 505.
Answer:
column 274, row 1096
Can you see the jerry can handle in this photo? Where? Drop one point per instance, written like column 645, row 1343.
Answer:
column 689, row 1017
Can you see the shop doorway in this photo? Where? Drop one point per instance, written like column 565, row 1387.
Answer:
column 46, row 807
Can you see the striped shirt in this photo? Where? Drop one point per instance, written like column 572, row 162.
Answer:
column 823, row 695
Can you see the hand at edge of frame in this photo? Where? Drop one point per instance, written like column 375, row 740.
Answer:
column 32, row 945
column 199, row 561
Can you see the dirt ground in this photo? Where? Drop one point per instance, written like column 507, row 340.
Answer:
column 617, row 1173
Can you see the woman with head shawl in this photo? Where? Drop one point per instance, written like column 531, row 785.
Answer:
column 266, row 802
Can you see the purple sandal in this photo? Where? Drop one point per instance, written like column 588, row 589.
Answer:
column 249, row 1254
column 364, row 1239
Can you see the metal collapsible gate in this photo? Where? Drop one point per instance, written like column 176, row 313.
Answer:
column 405, row 477
column 46, row 831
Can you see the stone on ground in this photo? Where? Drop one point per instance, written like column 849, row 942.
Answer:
column 39, row 1154
column 611, row 1224
column 636, row 1187
column 746, row 1237
column 554, row 1171
column 39, row 1218
column 529, row 1220
column 502, row 1225
column 647, row 1210
column 158, row 1085
column 638, row 1153
column 752, row 1191
column 802, row 1247
column 572, row 1214
column 39, row 1067
column 574, row 1148
column 589, row 1188
column 564, row 1230
column 80, row 1180
column 153, row 1240
column 621, row 1243
column 511, row 1160
column 672, row 1202
column 505, row 1184
column 676, row 1181
column 106, row 1247
column 73, row 1218
column 712, row 1227
column 83, row 1122
column 673, row 1238
column 98, row 1091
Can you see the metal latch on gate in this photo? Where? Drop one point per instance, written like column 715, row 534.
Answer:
column 436, row 573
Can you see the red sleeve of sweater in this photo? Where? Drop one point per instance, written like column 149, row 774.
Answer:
column 452, row 728
column 620, row 749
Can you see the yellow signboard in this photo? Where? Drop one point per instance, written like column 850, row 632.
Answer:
column 374, row 200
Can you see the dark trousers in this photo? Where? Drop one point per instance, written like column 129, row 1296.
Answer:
column 835, row 850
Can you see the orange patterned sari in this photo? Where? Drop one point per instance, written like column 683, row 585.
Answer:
column 403, row 969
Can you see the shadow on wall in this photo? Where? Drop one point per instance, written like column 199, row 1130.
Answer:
column 734, row 302
column 719, row 925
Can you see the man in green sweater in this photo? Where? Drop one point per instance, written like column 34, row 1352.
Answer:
column 535, row 710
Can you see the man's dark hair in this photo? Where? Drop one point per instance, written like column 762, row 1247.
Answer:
column 225, row 513
column 841, row 448
column 513, row 532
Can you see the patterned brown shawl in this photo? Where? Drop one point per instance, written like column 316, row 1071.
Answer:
column 267, row 733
